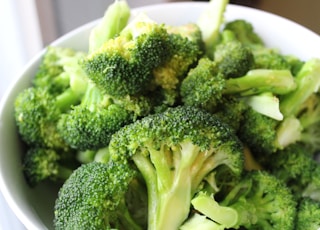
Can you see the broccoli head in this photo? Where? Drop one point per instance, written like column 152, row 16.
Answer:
column 308, row 215
column 40, row 164
column 176, row 151
column 36, row 114
column 94, row 197
column 123, row 65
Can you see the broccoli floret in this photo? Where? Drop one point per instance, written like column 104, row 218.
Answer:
column 114, row 20
column 205, row 85
column 244, row 32
column 123, row 65
column 36, row 114
column 258, row 201
column 233, row 58
column 265, row 135
column 175, row 151
column 308, row 215
column 40, row 164
column 89, row 125
column 186, row 48
column 94, row 197
column 295, row 166
column 60, row 71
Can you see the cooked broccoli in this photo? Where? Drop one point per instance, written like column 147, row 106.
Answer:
column 233, row 58
column 89, row 125
column 60, row 71
column 308, row 215
column 36, row 114
column 244, row 32
column 40, row 164
column 210, row 22
column 295, row 166
column 175, row 151
column 112, row 23
column 258, row 201
column 205, row 85
column 123, row 65
column 186, row 48
column 96, row 196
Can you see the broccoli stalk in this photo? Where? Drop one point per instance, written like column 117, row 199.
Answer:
column 114, row 20
column 175, row 151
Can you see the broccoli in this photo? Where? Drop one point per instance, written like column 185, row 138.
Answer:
column 210, row 22
column 112, row 23
column 186, row 48
column 233, row 58
column 296, row 167
column 40, row 164
column 244, row 32
column 308, row 215
column 205, row 85
column 36, row 114
column 258, row 201
column 176, row 151
column 123, row 65
column 60, row 72
column 96, row 196
column 89, row 125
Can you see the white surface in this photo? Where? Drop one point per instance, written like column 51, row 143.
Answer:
column 277, row 32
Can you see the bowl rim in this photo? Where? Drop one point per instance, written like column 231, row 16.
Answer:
column 11, row 92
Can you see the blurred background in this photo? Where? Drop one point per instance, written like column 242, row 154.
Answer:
column 29, row 25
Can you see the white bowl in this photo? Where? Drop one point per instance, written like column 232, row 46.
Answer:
column 34, row 207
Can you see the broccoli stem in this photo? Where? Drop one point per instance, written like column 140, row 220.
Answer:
column 206, row 205
column 66, row 99
column 308, row 82
column 114, row 20
column 261, row 80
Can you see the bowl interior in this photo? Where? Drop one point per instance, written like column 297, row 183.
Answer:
column 34, row 207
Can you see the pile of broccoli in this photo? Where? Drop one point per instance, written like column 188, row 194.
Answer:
column 197, row 126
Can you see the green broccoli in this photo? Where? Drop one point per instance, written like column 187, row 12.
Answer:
column 258, row 201
column 296, row 167
column 60, row 71
column 96, row 196
column 205, row 85
column 40, row 164
column 176, row 151
column 186, row 48
column 233, row 58
column 89, row 125
column 112, row 23
column 36, row 114
column 308, row 215
column 123, row 65
column 244, row 32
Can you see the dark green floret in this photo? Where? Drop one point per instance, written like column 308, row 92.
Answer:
column 176, row 151
column 94, row 197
